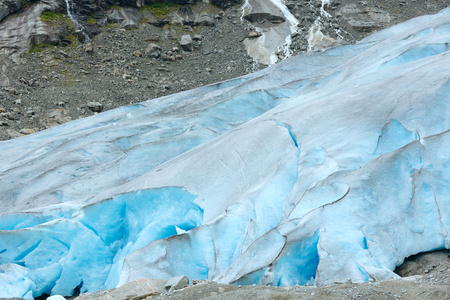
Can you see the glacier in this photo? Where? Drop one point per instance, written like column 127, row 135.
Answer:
column 332, row 165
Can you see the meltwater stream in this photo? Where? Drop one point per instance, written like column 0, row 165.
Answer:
column 75, row 21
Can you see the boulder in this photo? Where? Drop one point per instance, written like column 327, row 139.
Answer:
column 132, row 17
column 258, row 10
column 57, row 35
column 95, row 106
column 197, row 37
column 138, row 289
column 176, row 283
column 153, row 50
column 204, row 20
column 114, row 16
column 186, row 42
column 363, row 19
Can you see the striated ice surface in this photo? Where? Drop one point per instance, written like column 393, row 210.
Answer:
column 332, row 165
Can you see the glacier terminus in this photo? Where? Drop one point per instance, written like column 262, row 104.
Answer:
column 332, row 165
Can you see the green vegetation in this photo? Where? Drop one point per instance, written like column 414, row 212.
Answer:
column 26, row 3
column 53, row 18
column 38, row 48
column 91, row 21
column 161, row 10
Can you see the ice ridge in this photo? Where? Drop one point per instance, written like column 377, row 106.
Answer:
column 332, row 165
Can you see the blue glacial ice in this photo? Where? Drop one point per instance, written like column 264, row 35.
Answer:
column 332, row 165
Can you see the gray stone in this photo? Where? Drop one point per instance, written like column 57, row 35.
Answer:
column 197, row 37
column 138, row 289
column 176, row 283
column 88, row 48
column 225, row 3
column 58, row 34
column 204, row 20
column 132, row 17
column 258, row 10
column 8, row 7
column 186, row 42
column 14, row 5
column 95, row 106
column 27, row 131
column 40, row 35
column 153, row 50
column 4, row 11
column 115, row 16
column 254, row 34
column 13, row 134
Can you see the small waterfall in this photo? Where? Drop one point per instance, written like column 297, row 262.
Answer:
column 74, row 20
column 293, row 26
column 315, row 34
column 273, row 40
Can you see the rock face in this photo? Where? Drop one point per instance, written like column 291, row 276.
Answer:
column 131, row 17
column 274, row 25
column 18, row 34
column 8, row 7
column 364, row 19
column 256, row 11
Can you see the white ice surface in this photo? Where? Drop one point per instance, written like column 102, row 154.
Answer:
column 332, row 165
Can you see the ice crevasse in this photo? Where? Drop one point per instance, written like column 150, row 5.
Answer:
column 332, row 165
